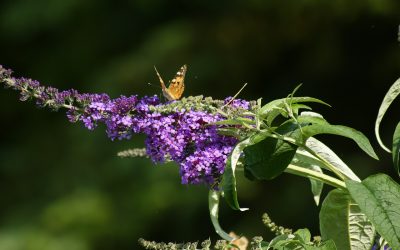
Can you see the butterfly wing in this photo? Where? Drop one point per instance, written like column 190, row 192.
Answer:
column 177, row 85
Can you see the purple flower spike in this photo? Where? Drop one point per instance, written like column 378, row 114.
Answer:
column 183, row 135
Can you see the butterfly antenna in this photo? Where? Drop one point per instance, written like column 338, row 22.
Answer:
column 234, row 97
column 159, row 77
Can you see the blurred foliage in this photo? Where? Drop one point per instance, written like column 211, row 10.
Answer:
column 63, row 186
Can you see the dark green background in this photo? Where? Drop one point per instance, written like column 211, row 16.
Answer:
column 63, row 186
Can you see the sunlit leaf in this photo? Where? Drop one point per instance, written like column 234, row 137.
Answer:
column 325, row 152
column 328, row 245
column 299, row 240
column 396, row 148
column 274, row 108
column 303, row 234
column 392, row 93
column 297, row 107
column 229, row 176
column 228, row 122
column 320, row 126
column 310, row 162
column 342, row 221
column 229, row 132
column 379, row 198
column 213, row 206
column 236, row 121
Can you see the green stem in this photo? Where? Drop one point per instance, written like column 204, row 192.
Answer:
column 293, row 169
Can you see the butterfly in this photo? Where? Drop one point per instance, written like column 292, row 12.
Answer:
column 176, row 85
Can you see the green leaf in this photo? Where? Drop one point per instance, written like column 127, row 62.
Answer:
column 297, row 107
column 229, row 177
column 280, row 238
column 305, row 160
column 303, row 235
column 268, row 158
column 274, row 108
column 379, row 198
column 325, row 152
column 316, row 186
column 320, row 126
column 393, row 92
column 396, row 148
column 342, row 221
column 328, row 245
column 213, row 206
column 228, row 122
column 300, row 240
column 236, row 121
column 229, row 132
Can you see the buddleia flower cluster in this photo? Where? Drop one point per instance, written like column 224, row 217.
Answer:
column 180, row 132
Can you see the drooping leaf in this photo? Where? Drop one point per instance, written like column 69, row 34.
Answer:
column 213, row 206
column 379, row 198
column 320, row 126
column 392, row 93
column 342, row 221
column 316, row 186
column 396, row 148
column 268, row 158
column 310, row 162
column 229, row 176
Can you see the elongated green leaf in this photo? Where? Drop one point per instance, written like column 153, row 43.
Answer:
column 396, row 148
column 320, row 126
column 213, row 206
column 297, row 107
column 228, row 122
column 280, row 103
column 316, row 186
column 229, row 132
column 237, row 121
column 229, row 177
column 325, row 152
column 310, row 162
column 274, row 108
column 379, row 198
column 393, row 92
column 268, row 158
column 342, row 221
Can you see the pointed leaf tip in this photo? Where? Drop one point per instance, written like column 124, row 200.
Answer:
column 390, row 96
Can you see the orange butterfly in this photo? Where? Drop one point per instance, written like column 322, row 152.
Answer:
column 176, row 85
